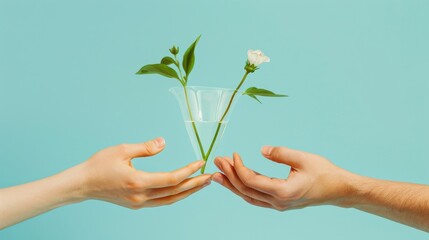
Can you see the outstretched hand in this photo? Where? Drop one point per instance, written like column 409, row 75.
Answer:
column 312, row 180
column 111, row 177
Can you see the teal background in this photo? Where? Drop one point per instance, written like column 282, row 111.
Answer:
column 356, row 71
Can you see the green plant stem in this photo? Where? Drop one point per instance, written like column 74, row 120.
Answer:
column 180, row 71
column 221, row 119
column 189, row 109
column 193, row 124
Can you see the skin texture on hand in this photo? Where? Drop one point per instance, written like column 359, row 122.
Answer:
column 108, row 176
column 314, row 180
column 111, row 177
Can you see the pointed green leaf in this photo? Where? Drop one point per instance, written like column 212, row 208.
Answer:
column 160, row 69
column 262, row 92
column 167, row 60
column 254, row 97
column 253, row 92
column 189, row 57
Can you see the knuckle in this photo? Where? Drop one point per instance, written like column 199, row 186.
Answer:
column 250, row 193
column 134, row 184
column 300, row 156
column 276, row 152
column 248, row 181
column 149, row 148
column 134, row 199
column 280, row 207
column 242, row 189
column 175, row 191
column 135, row 206
column 282, row 194
column 173, row 179
column 123, row 148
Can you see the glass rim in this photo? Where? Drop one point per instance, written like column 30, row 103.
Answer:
column 203, row 88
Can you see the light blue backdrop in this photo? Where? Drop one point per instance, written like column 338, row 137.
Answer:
column 356, row 71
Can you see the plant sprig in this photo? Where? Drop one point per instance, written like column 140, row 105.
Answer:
column 254, row 59
column 163, row 68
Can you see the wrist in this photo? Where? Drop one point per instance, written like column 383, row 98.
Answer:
column 353, row 189
column 74, row 182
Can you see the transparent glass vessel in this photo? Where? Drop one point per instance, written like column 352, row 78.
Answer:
column 203, row 110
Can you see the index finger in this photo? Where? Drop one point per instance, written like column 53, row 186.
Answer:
column 167, row 179
column 253, row 180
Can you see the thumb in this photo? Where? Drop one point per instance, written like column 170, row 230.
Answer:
column 145, row 149
column 284, row 155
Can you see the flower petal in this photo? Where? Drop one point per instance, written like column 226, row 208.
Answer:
column 256, row 57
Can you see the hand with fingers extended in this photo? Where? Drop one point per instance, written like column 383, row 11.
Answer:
column 312, row 180
column 109, row 176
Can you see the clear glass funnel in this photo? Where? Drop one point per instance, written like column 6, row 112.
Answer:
column 203, row 110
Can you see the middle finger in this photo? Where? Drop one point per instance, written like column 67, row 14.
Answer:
column 232, row 176
column 181, row 187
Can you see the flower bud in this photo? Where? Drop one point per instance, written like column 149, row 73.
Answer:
column 174, row 50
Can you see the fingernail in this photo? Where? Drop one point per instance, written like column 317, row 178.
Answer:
column 266, row 150
column 160, row 142
column 217, row 178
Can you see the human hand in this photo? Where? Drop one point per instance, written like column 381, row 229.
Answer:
column 313, row 180
column 110, row 176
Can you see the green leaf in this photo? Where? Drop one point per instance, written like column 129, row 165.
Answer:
column 254, row 97
column 262, row 92
column 167, row 60
column 253, row 92
column 189, row 57
column 160, row 69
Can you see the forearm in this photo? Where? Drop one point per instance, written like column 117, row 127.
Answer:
column 405, row 203
column 28, row 200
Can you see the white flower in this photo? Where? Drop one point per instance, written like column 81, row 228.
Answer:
column 256, row 57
